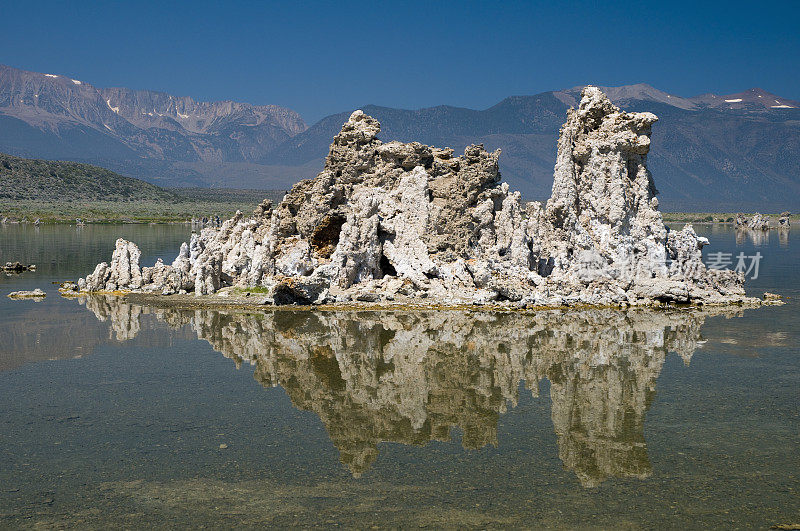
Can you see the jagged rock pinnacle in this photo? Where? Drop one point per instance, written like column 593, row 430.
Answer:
column 405, row 222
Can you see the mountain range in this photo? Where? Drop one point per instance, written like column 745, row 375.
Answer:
column 709, row 152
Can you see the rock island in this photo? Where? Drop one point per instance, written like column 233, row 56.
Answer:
column 409, row 223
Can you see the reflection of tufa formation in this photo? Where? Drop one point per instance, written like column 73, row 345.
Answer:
column 412, row 377
column 404, row 222
column 761, row 222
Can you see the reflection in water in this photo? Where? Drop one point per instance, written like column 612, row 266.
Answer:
column 32, row 334
column 760, row 238
column 783, row 236
column 413, row 377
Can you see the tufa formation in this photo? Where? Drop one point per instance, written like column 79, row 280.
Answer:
column 761, row 222
column 409, row 222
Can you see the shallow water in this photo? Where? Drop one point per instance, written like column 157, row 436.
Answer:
column 117, row 414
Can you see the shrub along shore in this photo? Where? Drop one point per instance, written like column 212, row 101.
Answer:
column 197, row 203
column 190, row 203
column 64, row 192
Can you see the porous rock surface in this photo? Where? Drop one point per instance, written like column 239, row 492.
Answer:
column 405, row 221
column 756, row 222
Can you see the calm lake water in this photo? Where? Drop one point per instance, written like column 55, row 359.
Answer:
column 113, row 414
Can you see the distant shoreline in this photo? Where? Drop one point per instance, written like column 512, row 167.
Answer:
column 217, row 202
column 714, row 218
column 192, row 203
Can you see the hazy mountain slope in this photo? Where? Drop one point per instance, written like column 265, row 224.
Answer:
column 725, row 160
column 50, row 115
column 703, row 156
column 63, row 141
column 216, row 131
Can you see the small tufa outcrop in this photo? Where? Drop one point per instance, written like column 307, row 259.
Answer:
column 756, row 222
column 16, row 267
column 36, row 294
column 123, row 273
column 409, row 222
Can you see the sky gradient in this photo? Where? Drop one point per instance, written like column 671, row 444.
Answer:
column 324, row 57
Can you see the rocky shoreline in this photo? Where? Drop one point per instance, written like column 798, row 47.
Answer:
column 404, row 223
column 231, row 299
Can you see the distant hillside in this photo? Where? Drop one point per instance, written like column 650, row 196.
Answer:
column 43, row 180
column 61, row 192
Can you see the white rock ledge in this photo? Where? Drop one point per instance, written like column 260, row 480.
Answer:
column 394, row 222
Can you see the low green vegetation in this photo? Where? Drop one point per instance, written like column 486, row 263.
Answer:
column 62, row 192
column 710, row 217
column 699, row 217
column 261, row 290
column 46, row 180
column 227, row 195
column 117, row 212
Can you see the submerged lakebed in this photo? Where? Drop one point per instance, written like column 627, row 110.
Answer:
column 116, row 413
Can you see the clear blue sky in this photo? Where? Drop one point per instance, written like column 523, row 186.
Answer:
column 323, row 57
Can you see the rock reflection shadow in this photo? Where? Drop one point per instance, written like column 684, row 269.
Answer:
column 411, row 377
column 760, row 238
